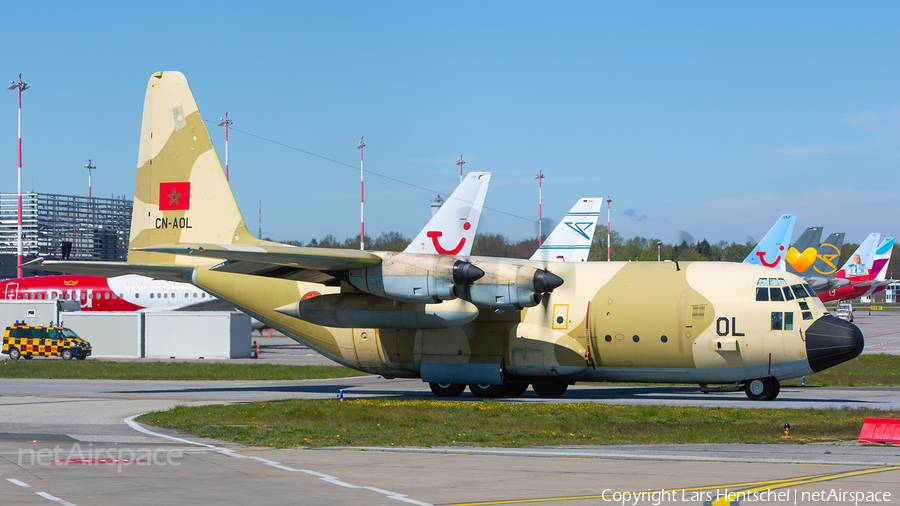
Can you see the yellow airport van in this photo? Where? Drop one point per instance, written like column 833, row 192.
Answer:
column 28, row 341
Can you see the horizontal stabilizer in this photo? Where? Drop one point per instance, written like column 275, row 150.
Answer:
column 176, row 273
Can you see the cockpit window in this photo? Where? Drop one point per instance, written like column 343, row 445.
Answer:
column 788, row 295
column 777, row 320
column 773, row 282
column 775, row 294
column 762, row 293
column 809, row 290
column 799, row 291
column 762, row 282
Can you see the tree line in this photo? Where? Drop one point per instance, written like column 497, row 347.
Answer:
column 638, row 249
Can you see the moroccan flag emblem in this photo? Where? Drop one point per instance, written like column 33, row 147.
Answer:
column 175, row 196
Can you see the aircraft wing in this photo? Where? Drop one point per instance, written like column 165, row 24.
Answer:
column 284, row 262
column 176, row 273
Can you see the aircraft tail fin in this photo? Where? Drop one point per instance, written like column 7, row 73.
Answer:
column 571, row 240
column 802, row 254
column 772, row 249
column 883, row 258
column 828, row 255
column 451, row 231
column 862, row 260
column 181, row 194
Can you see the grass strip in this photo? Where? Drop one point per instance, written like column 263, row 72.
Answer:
column 89, row 369
column 376, row 422
column 862, row 371
column 865, row 370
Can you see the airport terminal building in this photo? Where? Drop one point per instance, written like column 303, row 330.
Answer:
column 63, row 227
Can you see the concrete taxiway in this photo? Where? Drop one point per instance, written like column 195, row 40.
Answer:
column 74, row 442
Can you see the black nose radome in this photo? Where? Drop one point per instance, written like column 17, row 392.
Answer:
column 830, row 341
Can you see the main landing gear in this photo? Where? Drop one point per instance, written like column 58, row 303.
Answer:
column 551, row 389
column 762, row 389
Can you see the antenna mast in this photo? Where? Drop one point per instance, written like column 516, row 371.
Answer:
column 540, row 178
column 362, row 227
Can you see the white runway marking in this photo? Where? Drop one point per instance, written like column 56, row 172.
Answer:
column 19, row 483
column 45, row 495
column 231, row 453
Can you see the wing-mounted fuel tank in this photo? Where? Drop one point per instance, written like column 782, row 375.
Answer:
column 359, row 310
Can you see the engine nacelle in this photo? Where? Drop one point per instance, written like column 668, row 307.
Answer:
column 357, row 310
column 509, row 287
column 411, row 277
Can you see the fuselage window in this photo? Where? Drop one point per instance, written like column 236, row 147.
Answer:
column 151, row 295
column 788, row 295
column 775, row 294
column 762, row 294
column 788, row 321
column 137, row 296
column 106, row 295
column 166, row 295
column 195, row 295
column 777, row 320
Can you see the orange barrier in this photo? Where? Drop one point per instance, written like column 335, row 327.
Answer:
column 880, row 430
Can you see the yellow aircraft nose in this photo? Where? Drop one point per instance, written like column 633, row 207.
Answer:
column 830, row 341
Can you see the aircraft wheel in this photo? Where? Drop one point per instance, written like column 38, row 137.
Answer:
column 14, row 353
column 763, row 389
column 487, row 390
column 555, row 389
column 67, row 354
column 515, row 389
column 447, row 389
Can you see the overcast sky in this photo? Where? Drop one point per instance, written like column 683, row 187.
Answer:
column 707, row 117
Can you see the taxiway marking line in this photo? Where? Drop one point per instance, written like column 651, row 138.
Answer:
column 19, row 483
column 334, row 480
column 45, row 495
column 723, row 501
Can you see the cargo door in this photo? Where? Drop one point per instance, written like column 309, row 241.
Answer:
column 365, row 341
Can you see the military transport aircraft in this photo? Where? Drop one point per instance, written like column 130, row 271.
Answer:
column 497, row 325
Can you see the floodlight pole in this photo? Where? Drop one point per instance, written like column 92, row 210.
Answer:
column 540, row 178
column 461, row 162
column 608, row 245
column 225, row 122
column 89, row 168
column 362, row 226
column 21, row 86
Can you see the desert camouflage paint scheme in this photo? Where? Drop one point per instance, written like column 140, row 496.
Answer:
column 704, row 322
